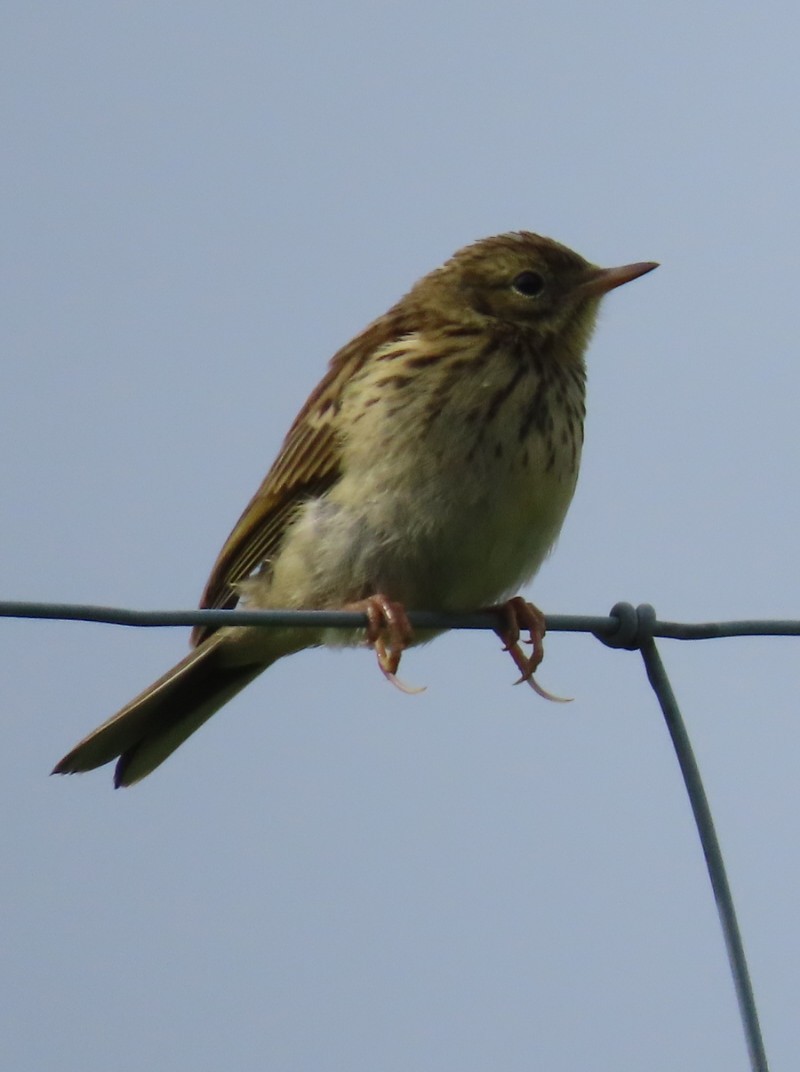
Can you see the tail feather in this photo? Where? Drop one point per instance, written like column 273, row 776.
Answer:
column 149, row 729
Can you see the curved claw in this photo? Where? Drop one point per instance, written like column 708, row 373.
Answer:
column 518, row 615
column 389, row 633
column 409, row 690
column 540, row 691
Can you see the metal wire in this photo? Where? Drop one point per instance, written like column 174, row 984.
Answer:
column 626, row 627
column 657, row 676
column 606, row 629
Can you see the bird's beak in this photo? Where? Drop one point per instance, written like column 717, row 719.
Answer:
column 600, row 280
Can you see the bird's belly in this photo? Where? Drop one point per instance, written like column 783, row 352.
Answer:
column 443, row 542
column 494, row 544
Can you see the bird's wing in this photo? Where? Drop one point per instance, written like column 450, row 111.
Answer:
column 307, row 465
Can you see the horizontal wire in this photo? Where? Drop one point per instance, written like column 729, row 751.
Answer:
column 600, row 625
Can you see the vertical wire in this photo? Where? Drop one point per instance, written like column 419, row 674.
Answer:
column 659, row 680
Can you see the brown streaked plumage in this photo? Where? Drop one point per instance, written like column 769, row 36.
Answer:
column 430, row 469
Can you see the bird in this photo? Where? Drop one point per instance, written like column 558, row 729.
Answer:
column 430, row 469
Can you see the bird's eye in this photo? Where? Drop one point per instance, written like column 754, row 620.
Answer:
column 529, row 284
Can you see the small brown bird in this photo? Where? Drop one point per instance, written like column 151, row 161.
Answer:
column 431, row 469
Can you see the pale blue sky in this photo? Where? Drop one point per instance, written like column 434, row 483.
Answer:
column 200, row 204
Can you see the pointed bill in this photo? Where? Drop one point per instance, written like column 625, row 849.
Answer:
column 601, row 280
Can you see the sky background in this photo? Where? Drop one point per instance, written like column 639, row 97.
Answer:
column 200, row 204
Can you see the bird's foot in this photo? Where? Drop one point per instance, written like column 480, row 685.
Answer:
column 389, row 633
column 518, row 616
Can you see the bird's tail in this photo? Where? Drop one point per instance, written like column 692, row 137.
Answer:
column 149, row 729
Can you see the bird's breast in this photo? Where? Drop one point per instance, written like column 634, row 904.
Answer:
column 465, row 474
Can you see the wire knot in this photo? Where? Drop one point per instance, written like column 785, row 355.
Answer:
column 634, row 626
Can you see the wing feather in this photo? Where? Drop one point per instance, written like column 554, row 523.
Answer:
column 307, row 465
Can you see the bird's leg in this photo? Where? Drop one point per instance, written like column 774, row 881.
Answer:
column 389, row 633
column 517, row 616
